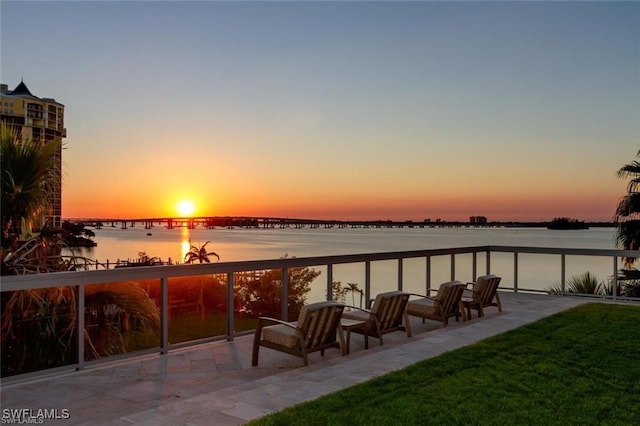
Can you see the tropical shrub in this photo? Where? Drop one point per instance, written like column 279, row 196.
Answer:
column 39, row 327
column 260, row 294
column 585, row 283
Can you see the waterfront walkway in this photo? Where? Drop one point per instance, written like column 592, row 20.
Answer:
column 215, row 384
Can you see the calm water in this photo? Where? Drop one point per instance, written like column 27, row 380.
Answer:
column 534, row 271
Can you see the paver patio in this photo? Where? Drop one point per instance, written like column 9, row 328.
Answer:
column 215, row 383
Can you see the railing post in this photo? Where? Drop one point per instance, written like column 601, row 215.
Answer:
column 367, row 282
column 453, row 267
column 80, row 322
column 400, row 273
column 428, row 272
column 515, row 271
column 329, row 281
column 230, row 321
column 474, row 266
column 164, row 314
column 563, row 272
column 615, row 278
column 284, row 294
column 488, row 269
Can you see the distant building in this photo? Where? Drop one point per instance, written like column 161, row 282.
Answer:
column 478, row 220
column 37, row 119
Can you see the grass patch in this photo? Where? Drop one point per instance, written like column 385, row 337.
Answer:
column 580, row 366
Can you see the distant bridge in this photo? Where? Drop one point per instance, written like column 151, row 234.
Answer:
column 212, row 222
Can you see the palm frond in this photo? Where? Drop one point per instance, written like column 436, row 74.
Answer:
column 629, row 170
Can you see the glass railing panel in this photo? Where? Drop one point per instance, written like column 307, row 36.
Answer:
column 248, row 286
column 414, row 275
column 464, row 267
column 501, row 264
column 349, row 283
column 121, row 317
column 197, row 307
column 310, row 282
column 591, row 275
column 307, row 284
column 481, row 263
column 384, row 277
column 39, row 329
column 538, row 272
column 440, row 270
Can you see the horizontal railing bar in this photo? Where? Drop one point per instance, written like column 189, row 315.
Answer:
column 569, row 251
column 73, row 278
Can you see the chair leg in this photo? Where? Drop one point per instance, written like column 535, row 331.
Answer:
column 379, row 330
column 407, row 324
column 344, row 350
column 256, row 346
column 498, row 302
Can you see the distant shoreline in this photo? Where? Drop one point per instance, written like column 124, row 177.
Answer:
column 211, row 222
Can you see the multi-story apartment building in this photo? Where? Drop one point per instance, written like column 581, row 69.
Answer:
column 37, row 119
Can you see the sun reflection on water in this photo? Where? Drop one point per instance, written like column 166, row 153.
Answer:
column 185, row 245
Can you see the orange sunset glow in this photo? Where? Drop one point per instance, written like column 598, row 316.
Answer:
column 518, row 111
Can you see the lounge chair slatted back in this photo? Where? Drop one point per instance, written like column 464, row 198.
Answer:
column 321, row 326
column 317, row 328
column 389, row 308
column 444, row 305
column 448, row 302
column 387, row 314
column 485, row 289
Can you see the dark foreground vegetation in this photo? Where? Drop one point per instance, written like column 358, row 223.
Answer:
column 577, row 367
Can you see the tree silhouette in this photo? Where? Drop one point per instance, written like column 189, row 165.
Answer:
column 199, row 253
column 627, row 217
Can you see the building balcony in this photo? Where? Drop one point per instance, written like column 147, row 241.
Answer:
column 181, row 379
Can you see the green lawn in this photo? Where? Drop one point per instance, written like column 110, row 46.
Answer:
column 581, row 366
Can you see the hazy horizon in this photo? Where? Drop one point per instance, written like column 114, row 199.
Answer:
column 517, row 111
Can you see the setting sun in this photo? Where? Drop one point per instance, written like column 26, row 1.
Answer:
column 186, row 208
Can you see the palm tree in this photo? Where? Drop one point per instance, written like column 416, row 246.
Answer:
column 30, row 173
column 199, row 253
column 627, row 216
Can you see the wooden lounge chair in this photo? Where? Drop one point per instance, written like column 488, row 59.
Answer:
column 481, row 294
column 444, row 305
column 387, row 314
column 317, row 328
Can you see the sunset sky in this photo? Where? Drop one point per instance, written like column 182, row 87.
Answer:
column 344, row 110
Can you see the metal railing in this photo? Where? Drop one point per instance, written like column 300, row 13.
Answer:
column 81, row 279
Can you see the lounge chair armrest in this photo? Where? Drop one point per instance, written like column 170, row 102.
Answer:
column 422, row 296
column 355, row 308
column 267, row 321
